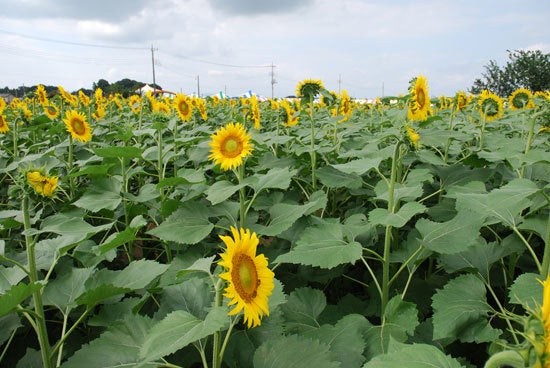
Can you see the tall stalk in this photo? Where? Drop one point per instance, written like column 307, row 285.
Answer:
column 529, row 139
column 312, row 152
column 448, row 145
column 40, row 319
column 387, row 236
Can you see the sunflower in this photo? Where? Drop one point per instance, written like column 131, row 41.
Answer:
column 490, row 105
column 249, row 280
column 183, row 106
column 2, row 104
column 201, row 106
column 4, row 128
column 134, row 101
column 84, row 98
column 545, row 318
column 41, row 94
column 414, row 137
column 309, row 88
column 461, row 100
column 345, row 106
column 255, row 112
column 43, row 185
column 419, row 102
column 99, row 112
column 51, row 111
column 288, row 113
column 230, row 144
column 78, row 127
column 520, row 99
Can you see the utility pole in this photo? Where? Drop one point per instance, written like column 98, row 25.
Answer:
column 273, row 81
column 198, row 87
column 153, row 63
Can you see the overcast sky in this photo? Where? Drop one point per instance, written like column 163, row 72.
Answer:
column 368, row 47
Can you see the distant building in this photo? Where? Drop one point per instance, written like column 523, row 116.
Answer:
column 8, row 97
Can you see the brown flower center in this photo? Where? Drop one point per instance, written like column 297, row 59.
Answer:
column 231, row 147
column 245, row 277
column 78, row 126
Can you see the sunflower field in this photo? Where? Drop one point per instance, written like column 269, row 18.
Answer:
column 319, row 231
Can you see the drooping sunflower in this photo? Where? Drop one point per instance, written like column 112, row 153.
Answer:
column 289, row 119
column 249, row 280
column 345, row 106
column 229, row 145
column 43, row 185
column 76, row 124
column 520, row 99
column 309, row 88
column 461, row 100
column 134, row 101
column 490, row 105
column 255, row 112
column 84, row 98
column 183, row 106
column 201, row 106
column 414, row 137
column 41, row 94
column 419, row 102
column 4, row 128
column 99, row 112
column 51, row 111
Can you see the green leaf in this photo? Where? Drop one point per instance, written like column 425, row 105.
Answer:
column 16, row 295
column 414, row 356
column 187, row 225
column 480, row 257
column 178, row 329
column 453, row 236
column 323, row 246
column 115, row 240
column 460, row 309
column 278, row 177
column 283, row 215
column 119, row 346
column 400, row 321
column 527, row 290
column 293, row 352
column 222, row 190
column 137, row 275
column 381, row 216
column 97, row 294
column 200, row 265
column 302, row 309
column 359, row 166
column 10, row 276
column 63, row 291
column 103, row 193
column 500, row 205
column 194, row 296
column 345, row 339
column 69, row 224
column 334, row 178
column 116, row 152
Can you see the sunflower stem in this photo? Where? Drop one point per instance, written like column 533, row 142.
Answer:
column 242, row 197
column 448, row 145
column 529, row 140
column 483, row 121
column 312, row 152
column 70, row 167
column 15, row 138
column 216, row 359
column 388, row 232
column 41, row 331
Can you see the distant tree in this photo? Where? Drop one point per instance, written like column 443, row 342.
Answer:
column 103, row 84
column 527, row 69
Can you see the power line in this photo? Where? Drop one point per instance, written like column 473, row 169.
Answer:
column 216, row 63
column 72, row 43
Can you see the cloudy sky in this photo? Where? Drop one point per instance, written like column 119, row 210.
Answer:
column 368, row 47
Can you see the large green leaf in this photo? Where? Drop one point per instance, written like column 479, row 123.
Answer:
column 178, row 329
column 117, row 347
column 103, row 193
column 10, row 276
column 345, row 339
column 359, row 166
column 194, row 296
column 302, row 309
column 137, row 275
column 187, row 225
column 324, row 246
column 414, row 356
column 15, row 295
column 63, row 291
column 222, row 190
column 118, row 152
column 400, row 321
column 460, row 311
column 69, row 224
column 294, row 352
column 381, row 216
column 502, row 204
column 283, row 215
column 527, row 291
column 96, row 294
column 278, row 178
column 334, row 178
column 453, row 236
